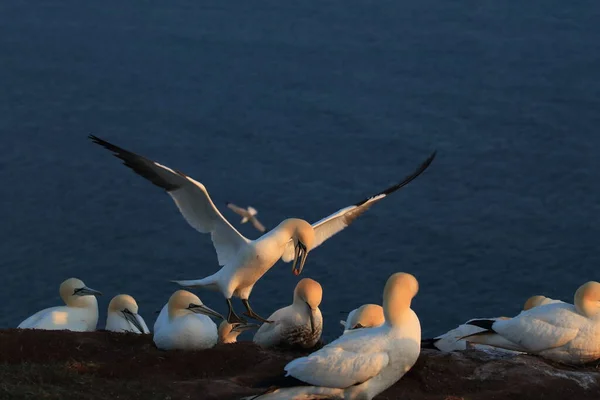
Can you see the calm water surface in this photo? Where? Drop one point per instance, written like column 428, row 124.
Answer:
column 299, row 110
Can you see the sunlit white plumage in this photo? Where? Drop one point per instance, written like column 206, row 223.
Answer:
column 122, row 316
column 453, row 339
column 299, row 324
column 365, row 363
column 365, row 316
column 79, row 314
column 248, row 214
column 188, row 326
column 563, row 332
column 244, row 261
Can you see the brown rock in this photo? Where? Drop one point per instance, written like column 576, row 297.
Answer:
column 110, row 366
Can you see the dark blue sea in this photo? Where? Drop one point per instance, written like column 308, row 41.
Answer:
column 300, row 109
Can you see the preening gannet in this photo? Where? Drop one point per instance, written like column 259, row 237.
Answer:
column 299, row 324
column 365, row 316
column 364, row 363
column 557, row 331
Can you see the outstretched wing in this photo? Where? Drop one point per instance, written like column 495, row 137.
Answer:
column 338, row 221
column 190, row 196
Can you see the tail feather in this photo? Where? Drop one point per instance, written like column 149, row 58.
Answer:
column 209, row 283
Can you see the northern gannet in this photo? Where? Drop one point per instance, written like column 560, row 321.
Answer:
column 245, row 261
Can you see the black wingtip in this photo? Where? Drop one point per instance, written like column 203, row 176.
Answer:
column 428, row 344
column 227, row 203
column 482, row 323
column 408, row 179
column 139, row 164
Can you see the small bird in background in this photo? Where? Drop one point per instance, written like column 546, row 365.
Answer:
column 248, row 214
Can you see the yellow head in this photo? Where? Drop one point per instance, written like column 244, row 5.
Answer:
column 308, row 291
column 228, row 333
column 303, row 236
column 123, row 302
column 75, row 294
column 534, row 301
column 367, row 316
column 587, row 299
column 398, row 293
column 183, row 302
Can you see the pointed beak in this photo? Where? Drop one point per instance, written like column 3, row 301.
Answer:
column 132, row 318
column 241, row 327
column 202, row 309
column 299, row 258
column 312, row 312
column 86, row 291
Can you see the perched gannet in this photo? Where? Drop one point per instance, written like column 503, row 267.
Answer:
column 80, row 314
column 185, row 328
column 248, row 214
column 453, row 339
column 123, row 315
column 245, row 261
column 365, row 363
column 365, row 316
column 228, row 333
column 557, row 331
column 299, row 324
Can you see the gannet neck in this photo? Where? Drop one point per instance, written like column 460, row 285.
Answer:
column 398, row 293
column 89, row 302
column 179, row 303
column 308, row 291
column 587, row 300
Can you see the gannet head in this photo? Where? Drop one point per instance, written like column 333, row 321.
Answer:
column 535, row 301
column 228, row 333
column 75, row 294
column 309, row 292
column 399, row 291
column 366, row 316
column 587, row 299
column 126, row 307
column 183, row 302
column 303, row 236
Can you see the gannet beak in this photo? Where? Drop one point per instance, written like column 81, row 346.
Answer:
column 312, row 311
column 202, row 309
column 241, row 327
column 131, row 317
column 86, row 291
column 300, row 256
